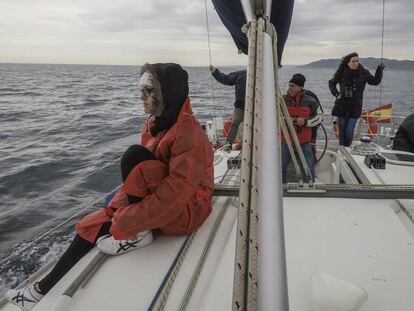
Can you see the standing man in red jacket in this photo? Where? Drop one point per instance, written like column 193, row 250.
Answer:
column 302, row 109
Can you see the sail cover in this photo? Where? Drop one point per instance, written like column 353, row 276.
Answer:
column 232, row 16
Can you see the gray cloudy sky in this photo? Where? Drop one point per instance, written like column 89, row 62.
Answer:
column 138, row 31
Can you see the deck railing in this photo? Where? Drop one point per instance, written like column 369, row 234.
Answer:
column 382, row 136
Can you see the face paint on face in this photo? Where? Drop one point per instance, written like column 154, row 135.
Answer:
column 146, row 86
column 146, row 80
column 353, row 63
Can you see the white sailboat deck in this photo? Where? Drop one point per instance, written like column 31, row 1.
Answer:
column 367, row 242
column 361, row 241
column 393, row 174
column 130, row 281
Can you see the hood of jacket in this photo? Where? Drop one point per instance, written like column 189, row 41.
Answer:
column 172, row 88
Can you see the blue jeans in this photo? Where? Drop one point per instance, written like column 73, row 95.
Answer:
column 346, row 131
column 307, row 152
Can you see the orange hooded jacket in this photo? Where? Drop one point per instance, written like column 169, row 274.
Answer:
column 177, row 187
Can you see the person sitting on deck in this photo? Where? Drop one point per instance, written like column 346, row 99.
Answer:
column 238, row 79
column 404, row 138
column 302, row 109
column 167, row 182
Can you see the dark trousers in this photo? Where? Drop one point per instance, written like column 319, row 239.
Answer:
column 79, row 246
column 238, row 115
column 77, row 249
column 309, row 157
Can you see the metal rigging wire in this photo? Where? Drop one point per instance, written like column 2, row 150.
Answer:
column 382, row 44
column 33, row 242
column 210, row 59
column 59, row 190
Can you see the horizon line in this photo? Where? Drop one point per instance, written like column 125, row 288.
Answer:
column 237, row 65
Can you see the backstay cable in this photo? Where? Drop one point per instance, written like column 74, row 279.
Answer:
column 59, row 190
column 209, row 55
column 33, row 242
column 382, row 44
column 382, row 34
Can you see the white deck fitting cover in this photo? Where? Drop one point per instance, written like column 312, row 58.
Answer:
column 361, row 241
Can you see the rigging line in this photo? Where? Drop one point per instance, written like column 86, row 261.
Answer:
column 211, row 62
column 80, row 209
column 208, row 32
column 382, row 44
column 332, row 128
column 203, row 257
column 50, row 194
column 325, row 145
column 383, row 26
column 161, row 296
column 171, row 272
column 50, row 231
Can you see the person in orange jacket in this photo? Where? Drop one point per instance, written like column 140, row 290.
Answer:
column 167, row 182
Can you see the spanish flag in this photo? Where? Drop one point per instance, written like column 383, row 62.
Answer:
column 380, row 114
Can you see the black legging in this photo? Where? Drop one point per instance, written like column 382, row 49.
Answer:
column 79, row 246
column 77, row 249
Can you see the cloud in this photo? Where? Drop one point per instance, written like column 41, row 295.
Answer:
column 331, row 28
column 132, row 32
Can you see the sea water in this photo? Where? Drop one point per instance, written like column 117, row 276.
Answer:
column 63, row 129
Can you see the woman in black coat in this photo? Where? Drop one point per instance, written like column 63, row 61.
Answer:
column 352, row 78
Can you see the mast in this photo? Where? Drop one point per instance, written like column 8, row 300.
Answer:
column 260, row 280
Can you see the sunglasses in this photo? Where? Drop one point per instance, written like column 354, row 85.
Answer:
column 146, row 91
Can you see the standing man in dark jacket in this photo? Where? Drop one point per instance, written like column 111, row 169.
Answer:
column 352, row 78
column 303, row 109
column 404, row 138
column 238, row 79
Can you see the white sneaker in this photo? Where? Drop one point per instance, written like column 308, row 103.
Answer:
column 25, row 298
column 108, row 245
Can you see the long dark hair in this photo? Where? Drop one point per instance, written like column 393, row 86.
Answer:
column 342, row 66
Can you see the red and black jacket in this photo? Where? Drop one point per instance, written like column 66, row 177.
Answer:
column 301, row 106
